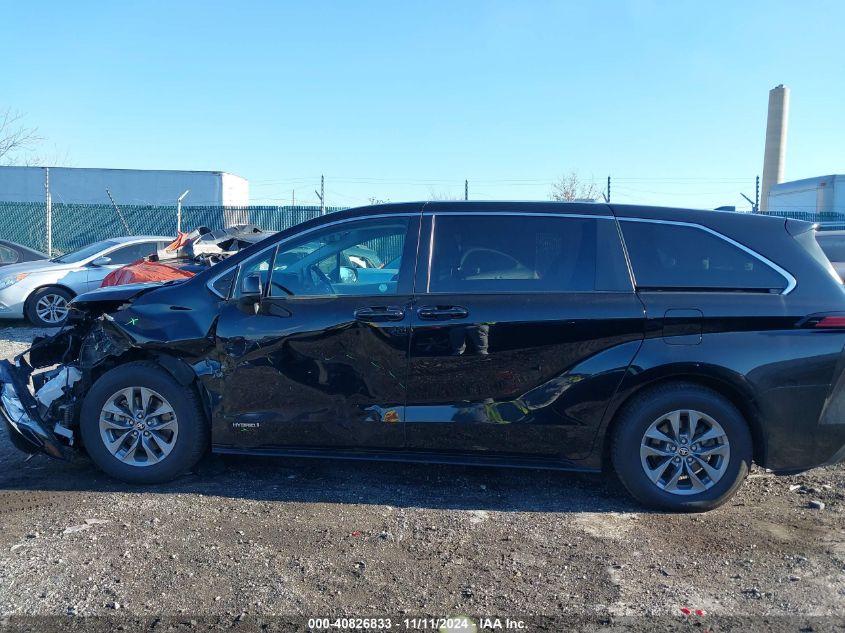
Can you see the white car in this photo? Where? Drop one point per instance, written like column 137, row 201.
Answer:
column 41, row 290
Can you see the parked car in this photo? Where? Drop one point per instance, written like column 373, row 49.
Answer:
column 195, row 251
column 673, row 346
column 14, row 253
column 41, row 290
column 833, row 245
column 187, row 255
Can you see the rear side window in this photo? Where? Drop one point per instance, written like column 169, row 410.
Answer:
column 131, row 253
column 513, row 253
column 687, row 257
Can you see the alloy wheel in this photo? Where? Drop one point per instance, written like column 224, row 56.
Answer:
column 685, row 452
column 52, row 308
column 138, row 426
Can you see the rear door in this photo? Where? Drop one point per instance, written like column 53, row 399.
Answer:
column 524, row 325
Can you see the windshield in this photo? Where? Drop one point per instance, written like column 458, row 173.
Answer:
column 84, row 253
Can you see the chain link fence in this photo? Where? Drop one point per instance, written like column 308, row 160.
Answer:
column 827, row 220
column 75, row 225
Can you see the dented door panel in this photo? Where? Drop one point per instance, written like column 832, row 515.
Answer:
column 317, row 377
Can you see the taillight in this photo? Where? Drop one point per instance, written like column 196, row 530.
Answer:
column 824, row 322
column 831, row 322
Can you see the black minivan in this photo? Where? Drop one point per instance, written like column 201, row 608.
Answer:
column 673, row 346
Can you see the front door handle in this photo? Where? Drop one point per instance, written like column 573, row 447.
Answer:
column 442, row 313
column 376, row 314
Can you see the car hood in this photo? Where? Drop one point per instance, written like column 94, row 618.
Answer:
column 37, row 266
column 116, row 293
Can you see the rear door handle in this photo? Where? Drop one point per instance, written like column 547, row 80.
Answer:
column 377, row 314
column 442, row 313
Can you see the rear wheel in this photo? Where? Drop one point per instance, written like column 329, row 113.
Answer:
column 140, row 425
column 681, row 447
column 48, row 307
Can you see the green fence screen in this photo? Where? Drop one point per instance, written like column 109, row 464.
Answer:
column 75, row 225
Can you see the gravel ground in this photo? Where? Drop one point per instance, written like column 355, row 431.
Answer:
column 241, row 539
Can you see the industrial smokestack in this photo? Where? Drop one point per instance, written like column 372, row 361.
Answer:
column 774, row 156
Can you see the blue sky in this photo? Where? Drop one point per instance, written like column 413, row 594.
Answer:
column 404, row 100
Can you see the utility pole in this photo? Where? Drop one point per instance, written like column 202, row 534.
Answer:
column 466, row 189
column 179, row 210
column 606, row 195
column 322, row 195
column 49, row 202
column 293, row 197
column 755, row 204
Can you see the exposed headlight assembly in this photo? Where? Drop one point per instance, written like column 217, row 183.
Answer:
column 11, row 280
column 13, row 404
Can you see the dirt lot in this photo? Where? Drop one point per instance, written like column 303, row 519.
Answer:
column 242, row 539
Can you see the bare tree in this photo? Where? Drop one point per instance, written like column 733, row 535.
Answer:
column 443, row 196
column 52, row 158
column 17, row 141
column 570, row 187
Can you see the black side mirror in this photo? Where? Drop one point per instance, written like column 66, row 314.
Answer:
column 251, row 286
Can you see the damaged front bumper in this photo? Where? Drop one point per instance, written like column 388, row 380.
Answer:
column 19, row 409
column 41, row 392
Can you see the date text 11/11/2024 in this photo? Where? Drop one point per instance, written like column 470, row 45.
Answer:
column 456, row 624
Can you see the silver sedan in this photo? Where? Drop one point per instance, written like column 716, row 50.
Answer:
column 41, row 290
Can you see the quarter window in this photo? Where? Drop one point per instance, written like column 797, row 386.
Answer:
column 258, row 265
column 223, row 284
column 7, row 255
column 677, row 256
column 521, row 253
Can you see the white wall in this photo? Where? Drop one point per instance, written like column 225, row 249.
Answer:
column 819, row 194
column 235, row 190
column 128, row 186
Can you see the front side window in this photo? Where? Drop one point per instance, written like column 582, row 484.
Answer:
column 354, row 258
column 678, row 256
column 521, row 253
column 131, row 253
column 84, row 253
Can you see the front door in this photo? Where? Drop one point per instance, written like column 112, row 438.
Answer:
column 523, row 328
column 320, row 359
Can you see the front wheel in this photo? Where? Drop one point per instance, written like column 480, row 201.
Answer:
column 140, row 425
column 48, row 307
column 681, row 447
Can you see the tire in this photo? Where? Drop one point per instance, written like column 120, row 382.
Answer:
column 166, row 448
column 38, row 304
column 727, row 453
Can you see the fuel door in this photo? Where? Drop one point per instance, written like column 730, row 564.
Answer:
column 682, row 326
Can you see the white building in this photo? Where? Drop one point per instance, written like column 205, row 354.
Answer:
column 822, row 194
column 82, row 185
